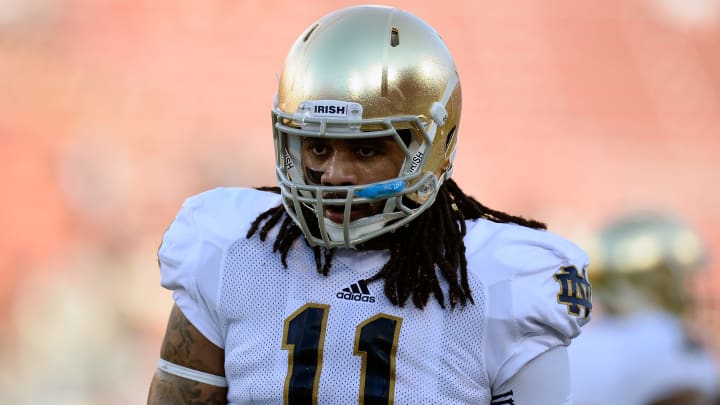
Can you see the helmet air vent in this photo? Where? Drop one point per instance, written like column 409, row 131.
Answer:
column 310, row 31
column 449, row 139
column 394, row 37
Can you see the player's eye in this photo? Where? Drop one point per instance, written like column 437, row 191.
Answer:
column 317, row 148
column 367, row 152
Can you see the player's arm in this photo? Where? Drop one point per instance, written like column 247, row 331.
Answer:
column 543, row 381
column 191, row 368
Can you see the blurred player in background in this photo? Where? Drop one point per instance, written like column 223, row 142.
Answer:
column 641, row 348
column 368, row 276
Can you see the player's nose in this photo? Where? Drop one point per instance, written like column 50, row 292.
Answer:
column 339, row 170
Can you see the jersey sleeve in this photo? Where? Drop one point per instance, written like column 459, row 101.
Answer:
column 539, row 297
column 189, row 266
column 544, row 380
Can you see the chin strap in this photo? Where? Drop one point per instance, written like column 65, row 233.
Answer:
column 190, row 374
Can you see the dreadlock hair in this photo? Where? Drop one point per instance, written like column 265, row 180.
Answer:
column 410, row 272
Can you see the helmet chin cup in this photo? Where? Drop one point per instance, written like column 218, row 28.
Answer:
column 355, row 232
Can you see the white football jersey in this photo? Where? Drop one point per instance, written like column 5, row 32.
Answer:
column 291, row 334
column 638, row 359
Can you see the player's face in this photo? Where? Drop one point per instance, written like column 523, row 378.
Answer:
column 348, row 162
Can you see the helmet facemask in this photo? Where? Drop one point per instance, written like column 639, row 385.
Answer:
column 402, row 197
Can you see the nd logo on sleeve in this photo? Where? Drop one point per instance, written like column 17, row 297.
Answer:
column 575, row 291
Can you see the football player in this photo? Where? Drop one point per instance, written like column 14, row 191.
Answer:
column 367, row 276
column 638, row 350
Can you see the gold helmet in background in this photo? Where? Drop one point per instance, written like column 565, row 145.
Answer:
column 366, row 72
column 645, row 260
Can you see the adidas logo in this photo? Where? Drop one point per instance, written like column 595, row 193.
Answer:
column 356, row 292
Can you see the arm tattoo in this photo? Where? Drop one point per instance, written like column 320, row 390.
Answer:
column 178, row 340
column 184, row 345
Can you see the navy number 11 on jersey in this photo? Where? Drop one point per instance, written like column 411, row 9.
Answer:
column 376, row 342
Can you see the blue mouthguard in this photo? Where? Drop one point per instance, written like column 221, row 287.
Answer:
column 380, row 190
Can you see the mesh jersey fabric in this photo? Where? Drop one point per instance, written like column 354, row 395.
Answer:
column 237, row 293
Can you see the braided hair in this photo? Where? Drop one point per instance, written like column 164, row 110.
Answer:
column 410, row 273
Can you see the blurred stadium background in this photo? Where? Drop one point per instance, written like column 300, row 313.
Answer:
column 112, row 112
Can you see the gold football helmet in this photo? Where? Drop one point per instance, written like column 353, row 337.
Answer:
column 365, row 72
column 645, row 260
